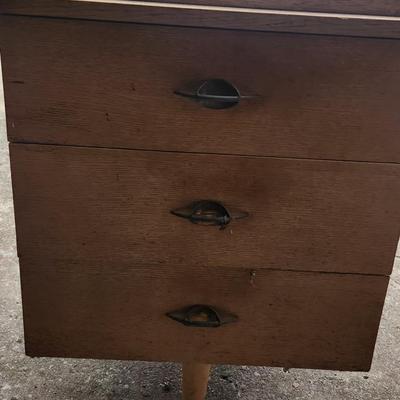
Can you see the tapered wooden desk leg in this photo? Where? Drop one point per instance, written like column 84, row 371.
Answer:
column 195, row 380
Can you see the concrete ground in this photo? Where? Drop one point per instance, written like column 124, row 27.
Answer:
column 64, row 379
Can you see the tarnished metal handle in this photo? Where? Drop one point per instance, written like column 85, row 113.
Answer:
column 214, row 93
column 209, row 212
column 202, row 316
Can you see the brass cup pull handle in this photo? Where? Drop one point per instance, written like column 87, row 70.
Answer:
column 209, row 212
column 202, row 316
column 215, row 94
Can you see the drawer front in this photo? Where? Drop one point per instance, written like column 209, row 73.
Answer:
column 108, row 204
column 289, row 319
column 112, row 85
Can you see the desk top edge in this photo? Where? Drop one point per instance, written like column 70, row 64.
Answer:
column 225, row 14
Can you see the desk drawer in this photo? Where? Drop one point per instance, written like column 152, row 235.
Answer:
column 112, row 85
column 107, row 204
column 118, row 310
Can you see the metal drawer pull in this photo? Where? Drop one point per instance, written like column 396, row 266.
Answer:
column 208, row 212
column 215, row 93
column 202, row 316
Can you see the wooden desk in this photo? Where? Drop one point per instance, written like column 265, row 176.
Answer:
column 204, row 183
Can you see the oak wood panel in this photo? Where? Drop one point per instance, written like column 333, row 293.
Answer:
column 101, row 204
column 112, row 85
column 210, row 17
column 117, row 310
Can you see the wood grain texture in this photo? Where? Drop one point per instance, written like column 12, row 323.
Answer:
column 96, row 204
column 374, row 7
column 195, row 378
column 111, row 85
column 117, row 310
column 213, row 17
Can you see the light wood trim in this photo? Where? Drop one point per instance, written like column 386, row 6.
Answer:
column 243, row 10
column 370, row 7
column 195, row 380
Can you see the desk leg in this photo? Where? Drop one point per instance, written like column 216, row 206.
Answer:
column 195, row 380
